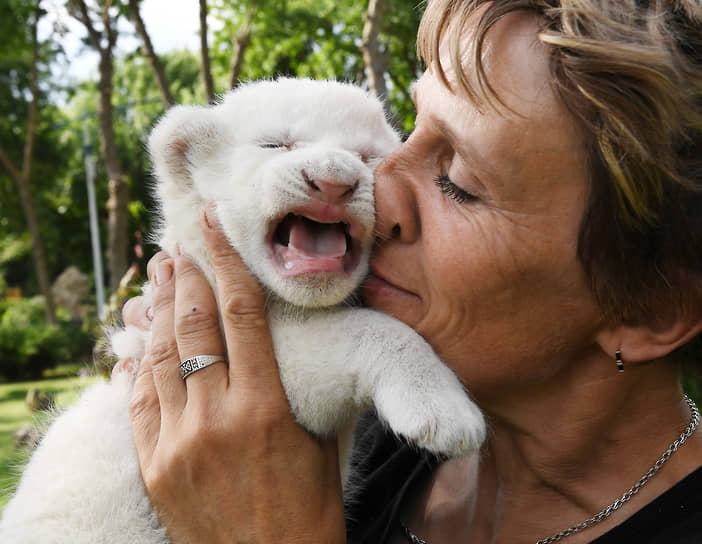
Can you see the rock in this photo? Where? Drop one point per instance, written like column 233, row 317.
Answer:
column 27, row 437
column 39, row 401
column 70, row 290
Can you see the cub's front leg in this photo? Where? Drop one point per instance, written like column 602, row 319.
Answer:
column 339, row 362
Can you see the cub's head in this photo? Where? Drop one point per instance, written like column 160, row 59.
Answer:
column 289, row 165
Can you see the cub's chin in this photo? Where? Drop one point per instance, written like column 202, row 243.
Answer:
column 316, row 289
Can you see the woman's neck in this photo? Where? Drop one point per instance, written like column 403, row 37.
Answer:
column 560, row 454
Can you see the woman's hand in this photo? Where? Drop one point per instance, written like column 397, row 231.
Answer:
column 222, row 458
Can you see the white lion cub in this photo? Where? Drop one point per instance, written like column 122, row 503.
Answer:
column 289, row 164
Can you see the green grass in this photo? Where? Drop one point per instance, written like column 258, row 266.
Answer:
column 15, row 414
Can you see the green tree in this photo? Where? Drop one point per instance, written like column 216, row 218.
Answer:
column 100, row 21
column 318, row 39
column 375, row 57
column 148, row 49
column 205, row 53
column 26, row 43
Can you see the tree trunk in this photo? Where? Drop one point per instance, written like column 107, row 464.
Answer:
column 205, row 54
column 38, row 251
column 103, row 42
column 241, row 42
column 376, row 62
column 118, row 200
column 154, row 61
column 23, row 180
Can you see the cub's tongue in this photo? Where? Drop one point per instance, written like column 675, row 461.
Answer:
column 317, row 240
column 312, row 247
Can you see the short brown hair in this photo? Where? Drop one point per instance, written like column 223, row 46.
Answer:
column 630, row 72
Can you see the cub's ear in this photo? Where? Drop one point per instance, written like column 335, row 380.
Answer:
column 184, row 137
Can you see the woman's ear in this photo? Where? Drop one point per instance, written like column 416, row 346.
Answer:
column 646, row 342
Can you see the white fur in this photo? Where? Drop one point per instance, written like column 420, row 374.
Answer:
column 82, row 485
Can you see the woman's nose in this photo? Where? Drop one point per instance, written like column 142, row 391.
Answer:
column 395, row 200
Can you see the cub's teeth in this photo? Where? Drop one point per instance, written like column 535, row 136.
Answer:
column 289, row 265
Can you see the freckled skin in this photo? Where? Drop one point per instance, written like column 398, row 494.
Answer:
column 478, row 220
column 492, row 282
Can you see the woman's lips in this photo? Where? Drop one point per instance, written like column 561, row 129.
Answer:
column 376, row 285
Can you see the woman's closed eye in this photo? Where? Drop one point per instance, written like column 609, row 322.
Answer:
column 446, row 186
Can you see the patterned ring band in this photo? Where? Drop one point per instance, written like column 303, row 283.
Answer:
column 193, row 364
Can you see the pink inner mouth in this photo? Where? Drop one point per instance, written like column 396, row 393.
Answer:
column 304, row 246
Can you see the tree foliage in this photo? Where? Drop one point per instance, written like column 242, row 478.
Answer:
column 100, row 20
column 247, row 40
column 23, row 61
column 318, row 39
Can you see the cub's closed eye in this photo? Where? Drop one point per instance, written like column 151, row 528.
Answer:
column 366, row 157
column 276, row 145
column 452, row 190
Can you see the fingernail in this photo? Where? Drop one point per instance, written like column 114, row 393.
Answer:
column 177, row 250
column 164, row 272
column 150, row 313
column 211, row 216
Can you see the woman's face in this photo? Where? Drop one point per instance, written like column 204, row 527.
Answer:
column 478, row 217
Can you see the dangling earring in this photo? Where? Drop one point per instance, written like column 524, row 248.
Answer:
column 618, row 360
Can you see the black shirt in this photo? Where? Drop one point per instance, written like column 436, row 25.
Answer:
column 385, row 468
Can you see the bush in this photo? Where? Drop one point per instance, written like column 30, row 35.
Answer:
column 28, row 345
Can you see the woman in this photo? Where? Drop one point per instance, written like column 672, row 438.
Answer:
column 541, row 229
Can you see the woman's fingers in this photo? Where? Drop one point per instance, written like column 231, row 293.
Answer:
column 197, row 330
column 242, row 307
column 163, row 356
column 145, row 413
column 153, row 263
column 137, row 313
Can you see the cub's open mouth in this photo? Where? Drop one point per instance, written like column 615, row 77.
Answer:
column 303, row 245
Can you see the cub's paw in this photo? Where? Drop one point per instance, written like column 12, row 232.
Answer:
column 444, row 421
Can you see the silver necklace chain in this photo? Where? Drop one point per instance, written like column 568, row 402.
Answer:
column 616, row 505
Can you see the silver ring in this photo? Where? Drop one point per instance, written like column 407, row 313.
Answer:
column 193, row 364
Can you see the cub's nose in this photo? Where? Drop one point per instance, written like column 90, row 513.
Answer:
column 334, row 193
